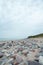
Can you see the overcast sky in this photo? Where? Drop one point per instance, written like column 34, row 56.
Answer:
column 20, row 18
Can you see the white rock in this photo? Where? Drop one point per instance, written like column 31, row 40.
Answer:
column 4, row 50
column 41, row 59
column 7, row 54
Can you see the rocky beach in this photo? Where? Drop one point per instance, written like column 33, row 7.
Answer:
column 21, row 32
column 22, row 52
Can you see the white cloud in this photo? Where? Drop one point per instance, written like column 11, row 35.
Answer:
column 21, row 17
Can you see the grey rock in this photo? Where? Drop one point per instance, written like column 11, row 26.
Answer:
column 24, row 63
column 33, row 63
column 1, row 54
column 2, row 44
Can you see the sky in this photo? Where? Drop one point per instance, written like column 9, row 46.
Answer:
column 20, row 18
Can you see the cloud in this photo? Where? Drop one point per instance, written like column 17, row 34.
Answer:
column 20, row 18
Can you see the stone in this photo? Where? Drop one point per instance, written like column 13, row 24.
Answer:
column 2, row 44
column 6, row 54
column 1, row 55
column 13, row 56
column 33, row 63
column 7, row 61
column 4, row 50
column 25, row 52
column 10, row 60
column 20, row 49
column 10, row 45
column 24, row 63
column 19, row 59
column 7, row 64
column 41, row 59
column 37, row 60
column 0, row 62
column 15, row 63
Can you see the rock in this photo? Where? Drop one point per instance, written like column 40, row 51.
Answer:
column 13, row 56
column 7, row 64
column 20, row 53
column 10, row 60
column 2, row 44
column 16, row 53
column 33, row 63
column 15, row 63
column 1, row 55
column 20, row 49
column 6, row 54
column 10, row 45
column 12, row 41
column 0, row 62
column 25, row 52
column 19, row 59
column 16, row 50
column 4, row 50
column 37, row 60
column 7, row 61
column 24, row 63
column 41, row 59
